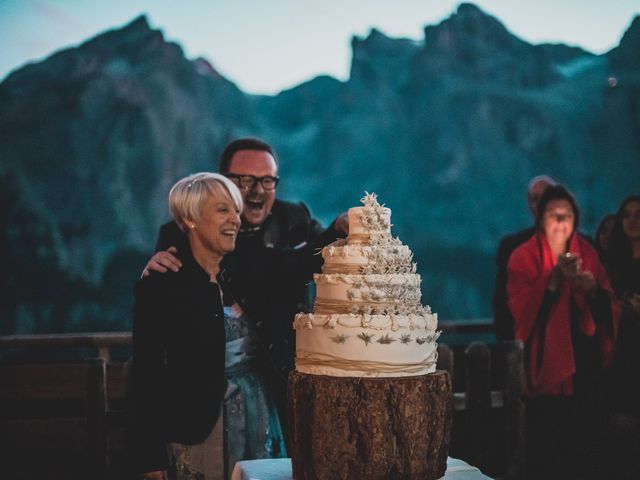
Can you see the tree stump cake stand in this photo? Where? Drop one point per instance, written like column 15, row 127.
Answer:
column 345, row 428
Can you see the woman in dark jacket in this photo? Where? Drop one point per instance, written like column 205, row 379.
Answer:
column 625, row 251
column 603, row 236
column 178, row 381
column 624, row 270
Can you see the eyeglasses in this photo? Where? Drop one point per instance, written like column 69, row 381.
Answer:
column 249, row 181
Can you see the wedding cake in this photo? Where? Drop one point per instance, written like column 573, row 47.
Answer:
column 367, row 320
column 365, row 399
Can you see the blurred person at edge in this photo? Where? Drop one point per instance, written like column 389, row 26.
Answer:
column 625, row 249
column 194, row 362
column 566, row 315
column 603, row 236
column 503, row 320
column 275, row 255
column 624, row 271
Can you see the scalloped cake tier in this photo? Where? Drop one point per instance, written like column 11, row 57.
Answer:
column 361, row 345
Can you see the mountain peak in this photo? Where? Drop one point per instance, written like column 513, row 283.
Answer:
column 376, row 35
column 379, row 43
column 628, row 52
column 378, row 55
column 135, row 34
column 477, row 45
column 138, row 23
column 204, row 67
column 136, row 41
column 469, row 9
column 470, row 28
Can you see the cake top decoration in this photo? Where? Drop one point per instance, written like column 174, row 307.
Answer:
column 374, row 215
column 370, row 200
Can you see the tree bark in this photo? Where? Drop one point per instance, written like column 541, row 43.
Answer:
column 344, row 428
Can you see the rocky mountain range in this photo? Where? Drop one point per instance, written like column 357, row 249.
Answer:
column 447, row 131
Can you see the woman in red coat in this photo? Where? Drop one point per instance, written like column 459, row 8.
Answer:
column 566, row 315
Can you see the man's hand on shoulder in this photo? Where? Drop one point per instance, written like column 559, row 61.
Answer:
column 162, row 261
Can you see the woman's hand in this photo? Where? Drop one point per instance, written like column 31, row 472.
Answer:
column 565, row 269
column 584, row 280
column 157, row 475
column 161, row 261
column 568, row 265
column 630, row 302
column 568, row 268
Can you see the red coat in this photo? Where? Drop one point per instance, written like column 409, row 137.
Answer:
column 528, row 275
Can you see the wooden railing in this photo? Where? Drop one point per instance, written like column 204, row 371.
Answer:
column 489, row 422
column 103, row 342
column 487, row 378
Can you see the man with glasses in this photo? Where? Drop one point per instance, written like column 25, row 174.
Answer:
column 275, row 253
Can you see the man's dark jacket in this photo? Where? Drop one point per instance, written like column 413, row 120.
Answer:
column 268, row 272
column 178, row 362
column 503, row 320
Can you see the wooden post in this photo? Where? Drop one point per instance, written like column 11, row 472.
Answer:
column 96, row 417
column 514, row 411
column 478, row 402
column 345, row 428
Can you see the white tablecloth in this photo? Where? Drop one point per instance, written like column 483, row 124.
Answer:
column 280, row 469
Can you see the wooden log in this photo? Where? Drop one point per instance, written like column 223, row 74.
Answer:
column 344, row 428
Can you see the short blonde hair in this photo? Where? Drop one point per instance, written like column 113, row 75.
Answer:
column 189, row 194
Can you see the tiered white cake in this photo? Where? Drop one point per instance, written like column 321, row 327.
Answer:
column 368, row 319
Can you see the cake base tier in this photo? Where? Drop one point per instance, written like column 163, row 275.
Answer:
column 343, row 428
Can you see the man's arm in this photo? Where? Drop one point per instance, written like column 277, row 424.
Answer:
column 316, row 237
column 339, row 228
column 170, row 240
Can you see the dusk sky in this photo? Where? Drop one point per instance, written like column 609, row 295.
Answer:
column 266, row 46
